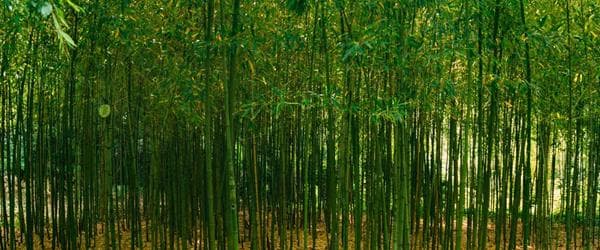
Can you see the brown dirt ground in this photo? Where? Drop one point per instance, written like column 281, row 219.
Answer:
column 558, row 239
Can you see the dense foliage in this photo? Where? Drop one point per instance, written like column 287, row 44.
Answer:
column 217, row 124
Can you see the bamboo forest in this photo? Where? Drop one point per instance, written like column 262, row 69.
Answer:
column 300, row 124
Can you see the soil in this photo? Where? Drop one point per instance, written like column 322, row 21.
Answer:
column 557, row 240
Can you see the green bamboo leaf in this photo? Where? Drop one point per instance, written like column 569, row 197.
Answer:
column 65, row 37
column 104, row 110
column 46, row 9
column 75, row 7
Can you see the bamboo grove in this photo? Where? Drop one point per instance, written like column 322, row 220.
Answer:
column 300, row 124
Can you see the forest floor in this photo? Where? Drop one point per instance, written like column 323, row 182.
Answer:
column 295, row 238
